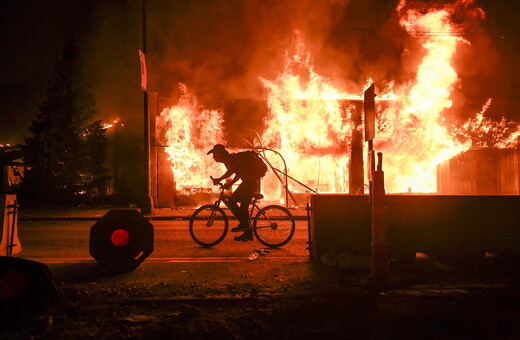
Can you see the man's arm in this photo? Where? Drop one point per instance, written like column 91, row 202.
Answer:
column 233, row 181
column 228, row 173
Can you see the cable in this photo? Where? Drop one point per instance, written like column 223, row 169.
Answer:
column 184, row 12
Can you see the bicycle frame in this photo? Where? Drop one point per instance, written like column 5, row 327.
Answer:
column 224, row 199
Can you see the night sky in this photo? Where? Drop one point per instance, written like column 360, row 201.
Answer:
column 219, row 49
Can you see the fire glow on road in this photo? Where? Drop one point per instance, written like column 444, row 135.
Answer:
column 219, row 259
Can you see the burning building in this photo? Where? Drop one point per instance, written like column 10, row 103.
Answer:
column 313, row 120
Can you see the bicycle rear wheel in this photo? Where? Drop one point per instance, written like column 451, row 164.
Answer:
column 208, row 225
column 273, row 226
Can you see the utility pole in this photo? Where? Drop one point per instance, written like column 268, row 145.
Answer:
column 146, row 205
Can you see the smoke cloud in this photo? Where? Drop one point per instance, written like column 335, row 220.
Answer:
column 219, row 49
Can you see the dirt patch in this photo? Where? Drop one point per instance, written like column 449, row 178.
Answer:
column 418, row 303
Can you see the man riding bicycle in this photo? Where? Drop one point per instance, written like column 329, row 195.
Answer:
column 248, row 167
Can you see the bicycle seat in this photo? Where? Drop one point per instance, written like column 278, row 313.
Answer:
column 258, row 196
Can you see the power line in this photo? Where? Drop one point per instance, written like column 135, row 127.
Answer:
column 223, row 19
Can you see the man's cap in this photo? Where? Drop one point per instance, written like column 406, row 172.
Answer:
column 218, row 148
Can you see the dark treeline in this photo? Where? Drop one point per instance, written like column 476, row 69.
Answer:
column 67, row 150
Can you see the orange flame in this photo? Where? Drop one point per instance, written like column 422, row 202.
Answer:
column 310, row 120
column 191, row 132
column 412, row 135
column 307, row 123
column 485, row 133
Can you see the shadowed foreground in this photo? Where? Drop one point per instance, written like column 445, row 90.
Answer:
column 262, row 299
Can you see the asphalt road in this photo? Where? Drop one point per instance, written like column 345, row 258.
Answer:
column 187, row 291
column 68, row 241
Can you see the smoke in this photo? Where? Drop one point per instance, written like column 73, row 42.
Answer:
column 220, row 49
column 111, row 55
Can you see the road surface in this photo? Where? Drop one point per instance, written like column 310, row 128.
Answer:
column 68, row 241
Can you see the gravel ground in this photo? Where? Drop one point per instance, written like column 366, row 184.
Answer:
column 425, row 300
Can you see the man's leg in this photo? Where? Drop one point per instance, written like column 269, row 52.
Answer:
column 244, row 194
column 233, row 205
column 239, row 202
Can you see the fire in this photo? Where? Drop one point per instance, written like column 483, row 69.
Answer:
column 484, row 132
column 412, row 135
column 191, row 131
column 310, row 120
column 308, row 124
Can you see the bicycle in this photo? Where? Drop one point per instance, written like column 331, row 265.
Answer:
column 273, row 225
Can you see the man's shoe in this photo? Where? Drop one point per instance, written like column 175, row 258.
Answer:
column 239, row 228
column 246, row 236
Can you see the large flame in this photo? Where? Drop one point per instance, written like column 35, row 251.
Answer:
column 309, row 124
column 191, row 132
column 310, row 120
column 412, row 136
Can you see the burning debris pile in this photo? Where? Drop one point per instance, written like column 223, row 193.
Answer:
column 310, row 118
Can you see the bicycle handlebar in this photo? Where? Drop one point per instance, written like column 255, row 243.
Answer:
column 220, row 185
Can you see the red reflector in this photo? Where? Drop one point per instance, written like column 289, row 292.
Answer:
column 120, row 237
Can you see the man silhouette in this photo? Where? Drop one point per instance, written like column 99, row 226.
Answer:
column 238, row 164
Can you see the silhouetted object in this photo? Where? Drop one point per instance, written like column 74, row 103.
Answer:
column 121, row 240
column 25, row 288
column 379, row 269
column 10, row 159
column 248, row 167
column 462, row 226
column 356, row 174
column 9, row 242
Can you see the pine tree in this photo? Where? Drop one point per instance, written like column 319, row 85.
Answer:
column 67, row 149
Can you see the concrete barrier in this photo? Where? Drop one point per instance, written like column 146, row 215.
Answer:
column 463, row 225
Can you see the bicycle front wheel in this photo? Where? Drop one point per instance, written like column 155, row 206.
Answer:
column 208, row 225
column 273, row 226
